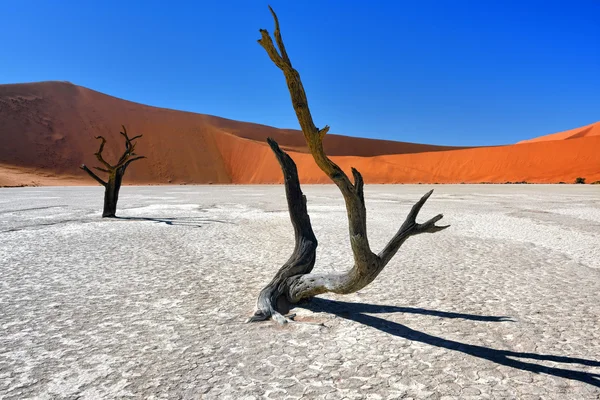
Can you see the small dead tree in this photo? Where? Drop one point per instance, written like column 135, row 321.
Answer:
column 115, row 172
column 294, row 280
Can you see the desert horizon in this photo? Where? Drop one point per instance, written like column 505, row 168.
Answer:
column 48, row 130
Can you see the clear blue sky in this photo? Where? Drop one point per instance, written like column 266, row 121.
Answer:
column 450, row 72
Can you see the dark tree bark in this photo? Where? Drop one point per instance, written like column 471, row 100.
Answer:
column 115, row 172
column 294, row 281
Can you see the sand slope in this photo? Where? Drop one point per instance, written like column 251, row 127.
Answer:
column 48, row 128
column 546, row 162
column 335, row 145
column 584, row 131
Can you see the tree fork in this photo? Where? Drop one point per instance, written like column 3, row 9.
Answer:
column 294, row 282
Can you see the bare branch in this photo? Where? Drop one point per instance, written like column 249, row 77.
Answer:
column 411, row 218
column 267, row 43
column 279, row 40
column 93, row 175
column 430, row 226
column 410, row 227
column 124, row 132
column 296, row 200
column 323, row 132
column 314, row 139
column 98, row 154
column 102, row 143
column 128, row 142
column 129, row 148
column 102, row 169
column 302, row 259
column 358, row 184
column 126, row 164
column 314, row 136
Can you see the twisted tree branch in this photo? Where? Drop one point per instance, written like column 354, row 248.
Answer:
column 302, row 259
column 98, row 154
column 294, row 280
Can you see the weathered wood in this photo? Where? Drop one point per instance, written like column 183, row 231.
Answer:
column 302, row 259
column 115, row 172
column 294, row 280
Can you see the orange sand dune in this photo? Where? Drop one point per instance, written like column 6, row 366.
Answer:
column 584, row 131
column 545, row 162
column 335, row 145
column 47, row 130
column 50, row 127
column 11, row 176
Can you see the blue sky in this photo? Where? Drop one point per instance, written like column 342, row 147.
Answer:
column 452, row 72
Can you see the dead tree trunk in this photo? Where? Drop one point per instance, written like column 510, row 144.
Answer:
column 294, row 281
column 115, row 172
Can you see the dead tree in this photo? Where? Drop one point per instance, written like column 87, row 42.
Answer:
column 294, row 280
column 115, row 172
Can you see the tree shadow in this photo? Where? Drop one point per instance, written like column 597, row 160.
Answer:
column 357, row 312
column 353, row 308
column 193, row 222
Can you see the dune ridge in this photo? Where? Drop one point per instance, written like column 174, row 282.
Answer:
column 583, row 131
column 48, row 128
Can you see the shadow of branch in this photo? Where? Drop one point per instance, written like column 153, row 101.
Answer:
column 193, row 222
column 348, row 307
column 357, row 312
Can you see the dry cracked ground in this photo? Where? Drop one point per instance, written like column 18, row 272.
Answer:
column 503, row 305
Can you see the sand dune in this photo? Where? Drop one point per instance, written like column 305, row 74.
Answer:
column 335, row 145
column 584, row 131
column 545, row 162
column 48, row 128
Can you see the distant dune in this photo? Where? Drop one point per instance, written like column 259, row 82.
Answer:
column 47, row 130
column 584, row 131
